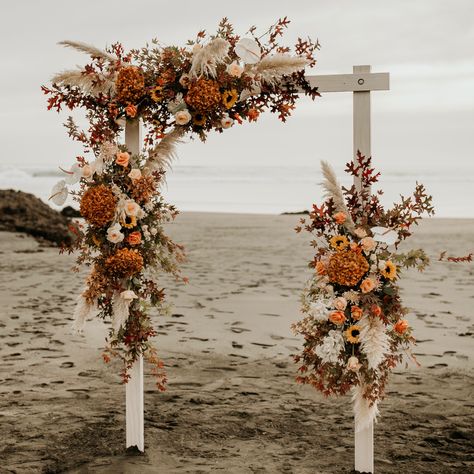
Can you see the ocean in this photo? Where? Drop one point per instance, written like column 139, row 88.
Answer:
column 268, row 190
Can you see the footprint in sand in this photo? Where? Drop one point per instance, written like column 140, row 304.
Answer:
column 67, row 365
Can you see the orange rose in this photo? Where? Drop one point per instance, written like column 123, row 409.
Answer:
column 376, row 310
column 122, row 159
column 401, row 326
column 367, row 285
column 134, row 238
column 337, row 317
column 356, row 313
column 131, row 111
column 340, row 217
column 320, row 268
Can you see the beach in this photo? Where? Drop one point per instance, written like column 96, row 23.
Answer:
column 232, row 404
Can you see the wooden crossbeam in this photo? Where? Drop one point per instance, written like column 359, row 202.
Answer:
column 357, row 82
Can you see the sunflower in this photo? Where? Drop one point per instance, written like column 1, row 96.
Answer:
column 389, row 270
column 352, row 334
column 199, row 119
column 229, row 98
column 129, row 222
column 339, row 242
column 156, row 94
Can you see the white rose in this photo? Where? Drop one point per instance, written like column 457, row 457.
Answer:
column 227, row 122
column 87, row 171
column 182, row 117
column 340, row 303
column 235, row 69
column 382, row 265
column 114, row 235
column 360, row 232
column 353, row 364
column 135, row 174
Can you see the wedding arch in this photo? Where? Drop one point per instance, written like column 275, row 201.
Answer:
column 210, row 85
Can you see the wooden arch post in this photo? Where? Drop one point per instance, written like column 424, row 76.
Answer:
column 361, row 82
column 134, row 387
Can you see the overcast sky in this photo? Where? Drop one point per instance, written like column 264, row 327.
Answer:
column 425, row 120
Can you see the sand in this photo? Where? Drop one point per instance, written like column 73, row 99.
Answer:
column 232, row 405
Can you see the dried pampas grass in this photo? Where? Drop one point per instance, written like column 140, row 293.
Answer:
column 206, row 59
column 272, row 68
column 162, row 155
column 332, row 189
column 92, row 51
column 93, row 84
column 364, row 413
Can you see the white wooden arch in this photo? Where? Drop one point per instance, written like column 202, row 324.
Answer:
column 361, row 82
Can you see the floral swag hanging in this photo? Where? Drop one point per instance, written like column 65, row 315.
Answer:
column 211, row 84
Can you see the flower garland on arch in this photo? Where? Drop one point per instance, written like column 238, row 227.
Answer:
column 211, row 84
column 354, row 329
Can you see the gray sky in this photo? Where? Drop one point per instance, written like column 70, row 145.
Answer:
column 427, row 119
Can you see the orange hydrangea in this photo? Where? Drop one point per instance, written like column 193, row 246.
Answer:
column 347, row 268
column 98, row 205
column 130, row 85
column 124, row 263
column 203, row 95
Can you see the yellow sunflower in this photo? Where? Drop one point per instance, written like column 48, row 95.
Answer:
column 339, row 242
column 156, row 94
column 129, row 222
column 389, row 270
column 352, row 334
column 229, row 98
column 199, row 119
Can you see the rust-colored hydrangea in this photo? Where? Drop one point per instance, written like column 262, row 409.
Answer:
column 130, row 85
column 347, row 268
column 204, row 95
column 98, row 205
column 142, row 189
column 124, row 263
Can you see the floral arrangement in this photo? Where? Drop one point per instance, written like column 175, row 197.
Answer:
column 212, row 83
column 354, row 329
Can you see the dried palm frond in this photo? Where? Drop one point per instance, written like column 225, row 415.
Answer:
column 161, row 156
column 374, row 341
column 82, row 311
column 92, row 51
column 272, row 68
column 121, row 312
column 93, row 84
column 332, row 189
column 364, row 413
column 206, row 59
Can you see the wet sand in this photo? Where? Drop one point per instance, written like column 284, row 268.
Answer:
column 232, row 404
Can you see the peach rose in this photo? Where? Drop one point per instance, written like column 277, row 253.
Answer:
column 235, row 69
column 401, row 326
column 227, row 122
column 134, row 238
column 337, row 317
column 360, row 232
column 376, row 310
column 368, row 244
column 353, row 364
column 340, row 217
column 340, row 303
column 131, row 111
column 122, row 159
column 87, row 171
column 356, row 313
column 367, row 285
column 131, row 208
column 135, row 174
column 182, row 117
column 320, row 268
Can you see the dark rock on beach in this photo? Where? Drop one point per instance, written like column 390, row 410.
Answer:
column 23, row 212
column 69, row 211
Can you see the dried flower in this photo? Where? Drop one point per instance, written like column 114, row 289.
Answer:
column 340, row 303
column 353, row 364
column 131, row 111
column 401, row 326
column 227, row 122
column 114, row 234
column 234, row 69
column 352, row 334
column 330, row 348
column 135, row 238
column 122, row 159
column 182, row 117
column 389, row 270
column 339, row 242
column 320, row 268
column 229, row 98
column 156, row 94
column 129, row 222
column 340, row 217
column 368, row 244
column 367, row 285
column 199, row 119
column 135, row 174
column 131, row 208
column 98, row 205
column 337, row 317
column 356, row 313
